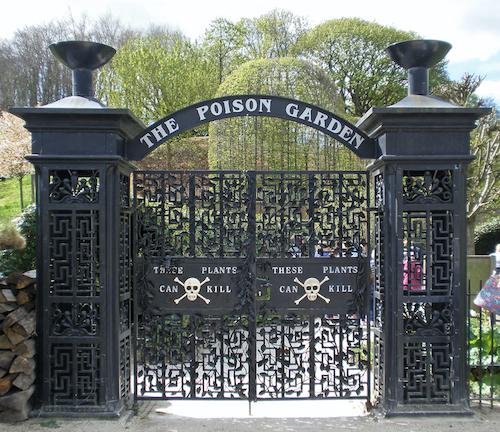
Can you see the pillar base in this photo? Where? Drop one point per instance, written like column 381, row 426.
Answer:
column 111, row 410
column 427, row 410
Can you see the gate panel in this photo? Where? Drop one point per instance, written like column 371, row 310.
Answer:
column 205, row 345
column 189, row 355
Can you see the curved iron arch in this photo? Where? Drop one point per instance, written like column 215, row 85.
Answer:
column 251, row 105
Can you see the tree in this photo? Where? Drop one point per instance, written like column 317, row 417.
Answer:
column 272, row 35
column 483, row 181
column 156, row 75
column 461, row 92
column 269, row 143
column 353, row 52
column 31, row 75
column 15, row 144
column 223, row 42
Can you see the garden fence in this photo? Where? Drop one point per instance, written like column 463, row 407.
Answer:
column 483, row 353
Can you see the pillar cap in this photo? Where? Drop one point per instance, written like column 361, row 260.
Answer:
column 63, row 119
column 423, row 101
column 400, row 116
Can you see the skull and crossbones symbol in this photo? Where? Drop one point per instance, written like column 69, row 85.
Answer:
column 311, row 287
column 192, row 288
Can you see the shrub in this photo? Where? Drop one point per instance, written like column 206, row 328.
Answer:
column 10, row 238
column 22, row 260
column 486, row 236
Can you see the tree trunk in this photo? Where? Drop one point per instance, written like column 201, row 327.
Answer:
column 471, row 225
column 33, row 187
column 21, row 191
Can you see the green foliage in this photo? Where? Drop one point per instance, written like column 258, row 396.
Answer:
column 353, row 52
column 157, row 75
column 223, row 45
column 188, row 153
column 487, row 236
column 272, row 35
column 22, row 260
column 228, row 45
column 484, row 354
column 10, row 205
column 268, row 143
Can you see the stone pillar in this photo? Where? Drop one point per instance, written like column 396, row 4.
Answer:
column 420, row 253
column 84, row 258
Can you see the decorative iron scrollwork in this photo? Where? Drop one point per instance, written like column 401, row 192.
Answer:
column 427, row 319
column 428, row 187
column 66, row 186
column 69, row 319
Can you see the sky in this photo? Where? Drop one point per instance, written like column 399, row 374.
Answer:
column 471, row 26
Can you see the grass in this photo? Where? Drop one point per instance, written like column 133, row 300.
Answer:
column 10, row 205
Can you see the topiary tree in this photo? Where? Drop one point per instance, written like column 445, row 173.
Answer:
column 274, row 144
column 487, row 236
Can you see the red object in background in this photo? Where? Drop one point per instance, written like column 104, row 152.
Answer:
column 412, row 277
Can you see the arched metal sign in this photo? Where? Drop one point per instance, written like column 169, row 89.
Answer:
column 251, row 105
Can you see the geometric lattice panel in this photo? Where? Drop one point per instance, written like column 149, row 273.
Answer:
column 74, row 370
column 74, row 253
column 427, row 367
column 427, row 252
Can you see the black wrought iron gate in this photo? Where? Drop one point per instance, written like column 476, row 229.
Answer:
column 228, row 297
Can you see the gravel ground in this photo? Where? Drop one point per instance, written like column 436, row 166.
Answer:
column 148, row 419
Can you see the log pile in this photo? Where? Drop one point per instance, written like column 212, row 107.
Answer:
column 17, row 345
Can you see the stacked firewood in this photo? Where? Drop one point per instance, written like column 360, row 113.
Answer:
column 17, row 345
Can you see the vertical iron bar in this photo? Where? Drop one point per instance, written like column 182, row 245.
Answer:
column 492, row 351
column 341, row 214
column 283, row 248
column 222, row 325
column 312, row 234
column 193, row 323
column 281, row 357
column 43, row 281
column 281, row 204
column 311, row 247
column 341, row 319
column 312, row 351
column 165, row 197
column 221, row 214
column 135, row 302
column 164, row 177
column 468, row 370
column 369, row 294
column 192, row 214
column 251, row 280
column 480, row 354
